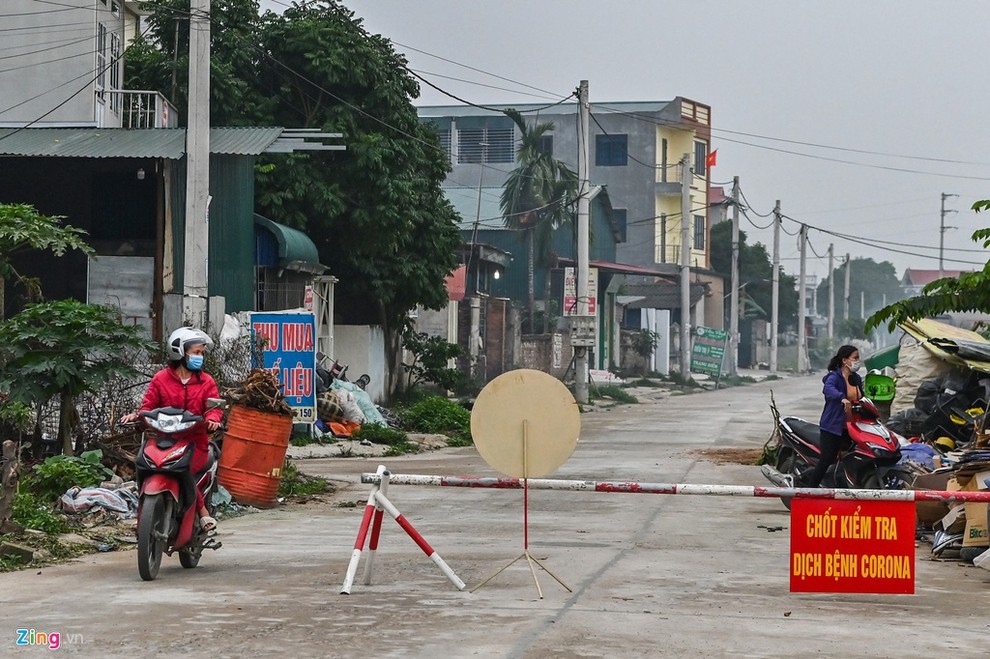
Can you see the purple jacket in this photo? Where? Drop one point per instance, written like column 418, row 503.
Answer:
column 834, row 413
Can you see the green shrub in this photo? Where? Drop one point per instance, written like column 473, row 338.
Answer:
column 436, row 414
column 31, row 513
column 57, row 474
column 376, row 433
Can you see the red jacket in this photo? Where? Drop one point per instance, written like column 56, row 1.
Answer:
column 167, row 390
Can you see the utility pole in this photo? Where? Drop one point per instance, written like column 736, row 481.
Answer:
column 775, row 294
column 845, row 298
column 584, row 206
column 802, row 307
column 831, row 291
column 195, row 273
column 685, row 267
column 734, row 298
column 941, row 231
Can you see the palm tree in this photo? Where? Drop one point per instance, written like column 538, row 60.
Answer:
column 537, row 198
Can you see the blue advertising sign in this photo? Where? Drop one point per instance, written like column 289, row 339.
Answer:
column 287, row 344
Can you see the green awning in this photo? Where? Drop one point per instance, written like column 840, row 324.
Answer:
column 295, row 250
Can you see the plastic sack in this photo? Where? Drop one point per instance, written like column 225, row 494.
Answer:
column 361, row 397
column 983, row 560
column 348, row 403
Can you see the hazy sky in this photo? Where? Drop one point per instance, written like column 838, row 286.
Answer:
column 856, row 115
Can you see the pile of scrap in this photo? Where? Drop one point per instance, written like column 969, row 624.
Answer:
column 942, row 385
column 261, row 391
column 958, row 527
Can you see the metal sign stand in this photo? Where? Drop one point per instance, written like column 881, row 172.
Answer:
column 530, row 559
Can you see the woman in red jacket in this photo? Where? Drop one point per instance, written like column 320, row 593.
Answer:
column 183, row 384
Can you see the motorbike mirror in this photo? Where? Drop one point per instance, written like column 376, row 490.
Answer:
column 215, row 403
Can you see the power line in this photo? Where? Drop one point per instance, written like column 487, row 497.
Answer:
column 479, row 84
column 669, row 123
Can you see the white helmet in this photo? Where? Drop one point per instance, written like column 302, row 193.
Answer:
column 181, row 339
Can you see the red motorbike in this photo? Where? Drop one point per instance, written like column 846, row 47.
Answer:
column 168, row 520
column 870, row 461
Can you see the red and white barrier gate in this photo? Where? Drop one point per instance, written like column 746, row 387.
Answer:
column 820, row 560
column 378, row 505
column 681, row 488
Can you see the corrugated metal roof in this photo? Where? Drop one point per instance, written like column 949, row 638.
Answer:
column 242, row 141
column 129, row 142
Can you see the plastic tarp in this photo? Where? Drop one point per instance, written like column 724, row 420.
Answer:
column 123, row 502
column 957, row 346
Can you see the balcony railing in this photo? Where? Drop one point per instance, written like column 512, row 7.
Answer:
column 143, row 109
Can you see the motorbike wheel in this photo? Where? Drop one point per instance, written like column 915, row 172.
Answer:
column 786, row 464
column 189, row 557
column 151, row 536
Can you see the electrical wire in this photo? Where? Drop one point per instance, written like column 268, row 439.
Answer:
column 755, row 225
column 661, row 122
column 750, row 206
column 479, row 84
column 99, row 72
column 478, row 105
column 629, row 155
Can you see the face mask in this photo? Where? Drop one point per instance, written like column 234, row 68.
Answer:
column 855, row 366
column 194, row 362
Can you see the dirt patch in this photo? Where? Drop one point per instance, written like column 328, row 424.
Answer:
column 743, row 456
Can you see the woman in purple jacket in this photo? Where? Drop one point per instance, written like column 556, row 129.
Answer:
column 842, row 387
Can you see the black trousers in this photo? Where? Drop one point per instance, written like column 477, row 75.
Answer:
column 831, row 444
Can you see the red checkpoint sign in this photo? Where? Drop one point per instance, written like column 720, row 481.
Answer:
column 842, row 546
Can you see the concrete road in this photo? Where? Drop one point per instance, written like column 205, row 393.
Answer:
column 652, row 575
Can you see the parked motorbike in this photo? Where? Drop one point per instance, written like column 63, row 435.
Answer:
column 869, row 461
column 168, row 520
column 336, row 371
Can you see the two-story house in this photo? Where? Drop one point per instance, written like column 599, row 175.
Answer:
column 636, row 150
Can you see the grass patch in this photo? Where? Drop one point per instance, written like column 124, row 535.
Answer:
column 617, row 394
column 54, row 551
column 401, row 449
column 32, row 513
column 376, row 433
column 645, row 382
column 296, row 483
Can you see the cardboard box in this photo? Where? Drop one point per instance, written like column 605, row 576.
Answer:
column 930, row 512
column 976, row 534
column 954, row 521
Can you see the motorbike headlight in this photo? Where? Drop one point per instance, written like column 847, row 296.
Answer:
column 881, row 451
column 170, row 423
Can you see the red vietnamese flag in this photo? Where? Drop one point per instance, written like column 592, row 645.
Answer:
column 712, row 159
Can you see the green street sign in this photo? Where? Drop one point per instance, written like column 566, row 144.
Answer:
column 708, row 350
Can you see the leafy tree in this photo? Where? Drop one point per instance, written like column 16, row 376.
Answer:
column 22, row 228
column 536, row 199
column 159, row 60
column 870, row 283
column 644, row 342
column 431, row 356
column 756, row 272
column 376, row 210
column 969, row 292
column 63, row 348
